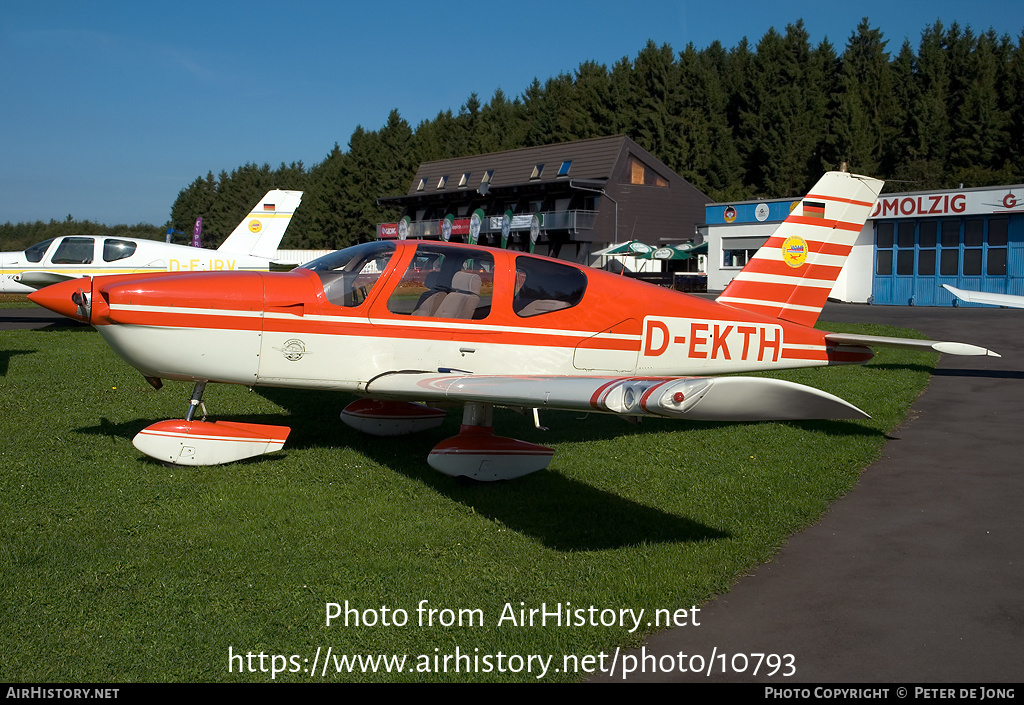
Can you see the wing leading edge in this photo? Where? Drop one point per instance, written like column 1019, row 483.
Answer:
column 697, row 398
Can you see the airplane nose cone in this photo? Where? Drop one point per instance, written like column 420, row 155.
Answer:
column 70, row 298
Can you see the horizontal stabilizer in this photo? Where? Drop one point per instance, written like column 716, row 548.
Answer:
column 936, row 345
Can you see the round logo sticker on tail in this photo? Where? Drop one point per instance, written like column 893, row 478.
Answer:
column 794, row 251
column 255, row 226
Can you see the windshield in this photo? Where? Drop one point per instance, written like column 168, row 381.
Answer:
column 348, row 276
column 36, row 252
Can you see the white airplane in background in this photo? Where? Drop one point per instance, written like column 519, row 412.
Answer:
column 250, row 247
column 985, row 297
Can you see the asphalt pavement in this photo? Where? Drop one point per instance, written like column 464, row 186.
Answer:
column 917, row 574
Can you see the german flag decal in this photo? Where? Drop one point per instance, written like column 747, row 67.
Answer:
column 814, row 209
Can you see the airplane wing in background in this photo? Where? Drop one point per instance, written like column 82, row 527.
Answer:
column 985, row 297
column 698, row 398
column 38, row 280
column 936, row 345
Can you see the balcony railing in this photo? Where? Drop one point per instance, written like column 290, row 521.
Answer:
column 573, row 221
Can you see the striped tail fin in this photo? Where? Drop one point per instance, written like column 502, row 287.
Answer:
column 260, row 233
column 793, row 273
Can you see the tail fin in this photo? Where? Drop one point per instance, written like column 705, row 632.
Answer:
column 793, row 273
column 260, row 233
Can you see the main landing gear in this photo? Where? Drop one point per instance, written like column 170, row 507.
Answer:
column 475, row 452
column 189, row 442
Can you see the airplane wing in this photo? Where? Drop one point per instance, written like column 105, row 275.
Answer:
column 936, row 345
column 698, row 398
column 985, row 297
column 38, row 280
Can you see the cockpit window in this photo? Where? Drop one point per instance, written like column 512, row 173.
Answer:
column 114, row 250
column 543, row 286
column 445, row 283
column 74, row 250
column 349, row 275
column 36, row 252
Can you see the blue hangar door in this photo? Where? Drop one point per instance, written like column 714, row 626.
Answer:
column 978, row 253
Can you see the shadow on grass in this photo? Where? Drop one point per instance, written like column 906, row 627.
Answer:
column 559, row 512
column 5, row 358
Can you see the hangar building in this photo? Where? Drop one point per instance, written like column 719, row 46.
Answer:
column 913, row 242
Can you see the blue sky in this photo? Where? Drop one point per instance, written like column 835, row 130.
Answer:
column 111, row 108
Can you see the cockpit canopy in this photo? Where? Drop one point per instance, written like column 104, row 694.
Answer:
column 448, row 282
column 80, row 249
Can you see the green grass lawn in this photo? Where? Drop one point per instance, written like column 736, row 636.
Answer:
column 115, row 568
column 15, row 301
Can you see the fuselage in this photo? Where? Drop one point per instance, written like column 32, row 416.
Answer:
column 373, row 309
column 74, row 256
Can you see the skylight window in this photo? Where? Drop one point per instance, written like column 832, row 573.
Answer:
column 442, row 181
column 464, row 180
column 564, row 169
column 422, row 185
column 537, row 171
column 486, row 179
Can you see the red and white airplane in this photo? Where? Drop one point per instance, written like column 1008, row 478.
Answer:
column 400, row 323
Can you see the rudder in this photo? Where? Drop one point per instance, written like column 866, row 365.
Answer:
column 793, row 273
column 259, row 234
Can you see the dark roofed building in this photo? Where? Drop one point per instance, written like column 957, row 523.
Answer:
column 575, row 198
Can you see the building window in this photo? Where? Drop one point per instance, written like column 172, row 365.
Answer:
column 949, row 258
column 997, row 228
column 537, row 171
column 564, row 169
column 464, row 180
column 641, row 174
column 442, row 181
column 422, row 185
column 883, row 249
column 486, row 179
column 737, row 258
column 927, row 240
column 883, row 263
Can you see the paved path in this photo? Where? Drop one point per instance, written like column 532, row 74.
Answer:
column 33, row 317
column 917, row 575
